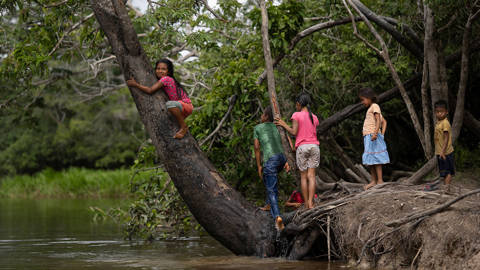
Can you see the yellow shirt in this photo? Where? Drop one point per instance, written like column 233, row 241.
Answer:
column 369, row 123
column 440, row 128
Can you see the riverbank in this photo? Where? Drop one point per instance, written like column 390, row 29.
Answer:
column 70, row 183
column 393, row 226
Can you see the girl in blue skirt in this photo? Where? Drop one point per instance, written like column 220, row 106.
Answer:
column 375, row 150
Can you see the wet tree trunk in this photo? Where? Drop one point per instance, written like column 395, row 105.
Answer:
column 222, row 211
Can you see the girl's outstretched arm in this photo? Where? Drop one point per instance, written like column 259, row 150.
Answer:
column 146, row 89
column 292, row 130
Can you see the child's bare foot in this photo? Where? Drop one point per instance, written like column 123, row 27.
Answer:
column 379, row 182
column 265, row 208
column 279, row 224
column 310, row 205
column 181, row 133
column 366, row 187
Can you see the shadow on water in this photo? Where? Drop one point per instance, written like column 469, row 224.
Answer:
column 60, row 234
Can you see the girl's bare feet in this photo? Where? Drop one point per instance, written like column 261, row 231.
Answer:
column 366, row 187
column 181, row 133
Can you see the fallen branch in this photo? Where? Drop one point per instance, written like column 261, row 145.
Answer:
column 430, row 212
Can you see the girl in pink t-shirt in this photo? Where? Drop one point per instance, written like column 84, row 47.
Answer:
column 304, row 128
column 179, row 104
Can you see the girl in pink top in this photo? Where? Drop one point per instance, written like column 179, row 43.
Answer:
column 179, row 104
column 304, row 127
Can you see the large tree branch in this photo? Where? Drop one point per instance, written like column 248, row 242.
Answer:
column 382, row 23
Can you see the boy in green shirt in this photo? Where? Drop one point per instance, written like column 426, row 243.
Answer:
column 267, row 139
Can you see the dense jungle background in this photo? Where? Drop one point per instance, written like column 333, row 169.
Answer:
column 64, row 102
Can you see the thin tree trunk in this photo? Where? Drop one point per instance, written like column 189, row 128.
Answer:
column 222, row 211
column 427, row 117
column 271, row 90
column 438, row 85
column 384, row 54
column 462, row 87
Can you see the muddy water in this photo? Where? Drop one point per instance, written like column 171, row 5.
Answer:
column 60, row 234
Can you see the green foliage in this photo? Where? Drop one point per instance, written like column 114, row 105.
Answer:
column 71, row 183
column 284, row 22
column 157, row 209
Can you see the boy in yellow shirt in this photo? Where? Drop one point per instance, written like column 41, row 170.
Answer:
column 443, row 144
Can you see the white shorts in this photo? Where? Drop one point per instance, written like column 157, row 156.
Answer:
column 308, row 156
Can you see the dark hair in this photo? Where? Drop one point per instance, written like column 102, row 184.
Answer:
column 170, row 71
column 441, row 104
column 368, row 92
column 304, row 100
column 269, row 113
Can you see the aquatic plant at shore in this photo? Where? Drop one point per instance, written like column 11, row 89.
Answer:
column 70, row 183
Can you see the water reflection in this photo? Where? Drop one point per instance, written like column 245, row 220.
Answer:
column 60, row 234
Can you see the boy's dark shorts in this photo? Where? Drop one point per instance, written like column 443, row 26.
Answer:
column 446, row 166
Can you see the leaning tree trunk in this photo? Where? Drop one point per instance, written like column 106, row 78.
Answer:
column 222, row 211
column 273, row 94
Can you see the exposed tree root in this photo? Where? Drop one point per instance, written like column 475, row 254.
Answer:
column 394, row 225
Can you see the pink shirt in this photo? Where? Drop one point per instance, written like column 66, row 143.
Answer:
column 307, row 132
column 170, row 88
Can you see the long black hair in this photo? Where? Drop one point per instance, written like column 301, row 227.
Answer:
column 368, row 92
column 304, row 100
column 170, row 73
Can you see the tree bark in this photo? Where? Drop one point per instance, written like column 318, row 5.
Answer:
column 222, row 211
column 427, row 116
column 462, row 85
column 438, row 85
column 273, row 94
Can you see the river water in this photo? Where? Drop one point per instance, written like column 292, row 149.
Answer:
column 60, row 234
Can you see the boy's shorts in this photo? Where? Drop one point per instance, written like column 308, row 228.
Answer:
column 446, row 166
